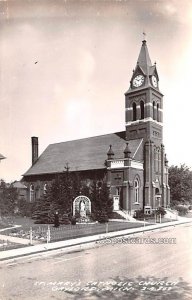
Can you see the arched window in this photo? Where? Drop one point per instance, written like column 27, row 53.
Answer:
column 134, row 111
column 142, row 110
column 45, row 189
column 157, row 112
column 136, row 190
column 31, row 193
column 154, row 110
column 117, row 191
column 159, row 161
column 155, row 160
column 37, row 192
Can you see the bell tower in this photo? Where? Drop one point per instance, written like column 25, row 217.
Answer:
column 144, row 101
column 144, row 120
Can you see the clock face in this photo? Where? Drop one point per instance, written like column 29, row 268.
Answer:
column 154, row 81
column 138, row 80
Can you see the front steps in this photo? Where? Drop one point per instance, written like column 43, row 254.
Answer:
column 126, row 215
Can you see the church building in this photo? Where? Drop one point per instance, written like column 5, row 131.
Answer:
column 133, row 162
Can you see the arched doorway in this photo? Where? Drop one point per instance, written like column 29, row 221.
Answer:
column 157, row 198
column 119, row 193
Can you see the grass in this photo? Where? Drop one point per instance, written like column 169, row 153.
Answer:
column 7, row 245
column 64, row 231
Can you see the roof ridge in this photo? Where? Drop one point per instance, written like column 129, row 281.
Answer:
column 89, row 137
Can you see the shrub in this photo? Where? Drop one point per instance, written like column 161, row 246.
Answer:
column 182, row 210
column 93, row 217
column 103, row 218
column 24, row 208
column 65, row 219
column 115, row 215
column 73, row 221
column 139, row 214
column 160, row 211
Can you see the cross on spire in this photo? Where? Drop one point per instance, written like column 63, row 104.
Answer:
column 67, row 167
column 144, row 35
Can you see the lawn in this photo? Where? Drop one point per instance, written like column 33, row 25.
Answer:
column 7, row 245
column 63, row 232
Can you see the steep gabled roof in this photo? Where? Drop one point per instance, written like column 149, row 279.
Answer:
column 19, row 185
column 84, row 154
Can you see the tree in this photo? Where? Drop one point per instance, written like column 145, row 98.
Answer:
column 102, row 204
column 61, row 192
column 25, row 208
column 180, row 182
column 45, row 209
column 59, row 197
column 8, row 198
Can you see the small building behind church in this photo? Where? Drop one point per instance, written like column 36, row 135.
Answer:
column 21, row 190
column 132, row 162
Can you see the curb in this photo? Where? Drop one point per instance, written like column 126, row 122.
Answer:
column 70, row 244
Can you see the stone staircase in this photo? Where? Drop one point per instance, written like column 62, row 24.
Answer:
column 171, row 214
column 126, row 215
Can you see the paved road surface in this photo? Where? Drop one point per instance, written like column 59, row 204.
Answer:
column 128, row 271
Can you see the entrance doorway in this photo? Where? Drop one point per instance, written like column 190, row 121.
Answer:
column 119, row 192
column 157, row 198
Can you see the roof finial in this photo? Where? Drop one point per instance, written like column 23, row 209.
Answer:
column 110, row 152
column 144, row 36
column 67, row 167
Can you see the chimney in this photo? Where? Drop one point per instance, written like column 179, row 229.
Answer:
column 34, row 141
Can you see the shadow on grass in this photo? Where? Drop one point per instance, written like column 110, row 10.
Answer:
column 139, row 288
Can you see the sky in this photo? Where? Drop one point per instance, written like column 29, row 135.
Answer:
column 65, row 66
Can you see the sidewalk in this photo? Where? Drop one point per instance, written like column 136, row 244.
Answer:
column 3, row 229
column 16, row 240
column 69, row 244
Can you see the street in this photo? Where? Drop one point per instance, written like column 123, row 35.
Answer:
column 115, row 270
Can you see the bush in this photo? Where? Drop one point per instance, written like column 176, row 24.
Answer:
column 65, row 220
column 25, row 209
column 73, row 221
column 139, row 214
column 103, row 218
column 160, row 211
column 93, row 217
column 115, row 215
column 182, row 210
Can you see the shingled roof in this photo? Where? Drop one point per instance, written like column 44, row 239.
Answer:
column 84, row 154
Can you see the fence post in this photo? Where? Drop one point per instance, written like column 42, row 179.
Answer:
column 48, row 234
column 107, row 227
column 31, row 236
column 160, row 218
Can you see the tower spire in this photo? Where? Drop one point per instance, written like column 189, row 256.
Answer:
column 144, row 60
